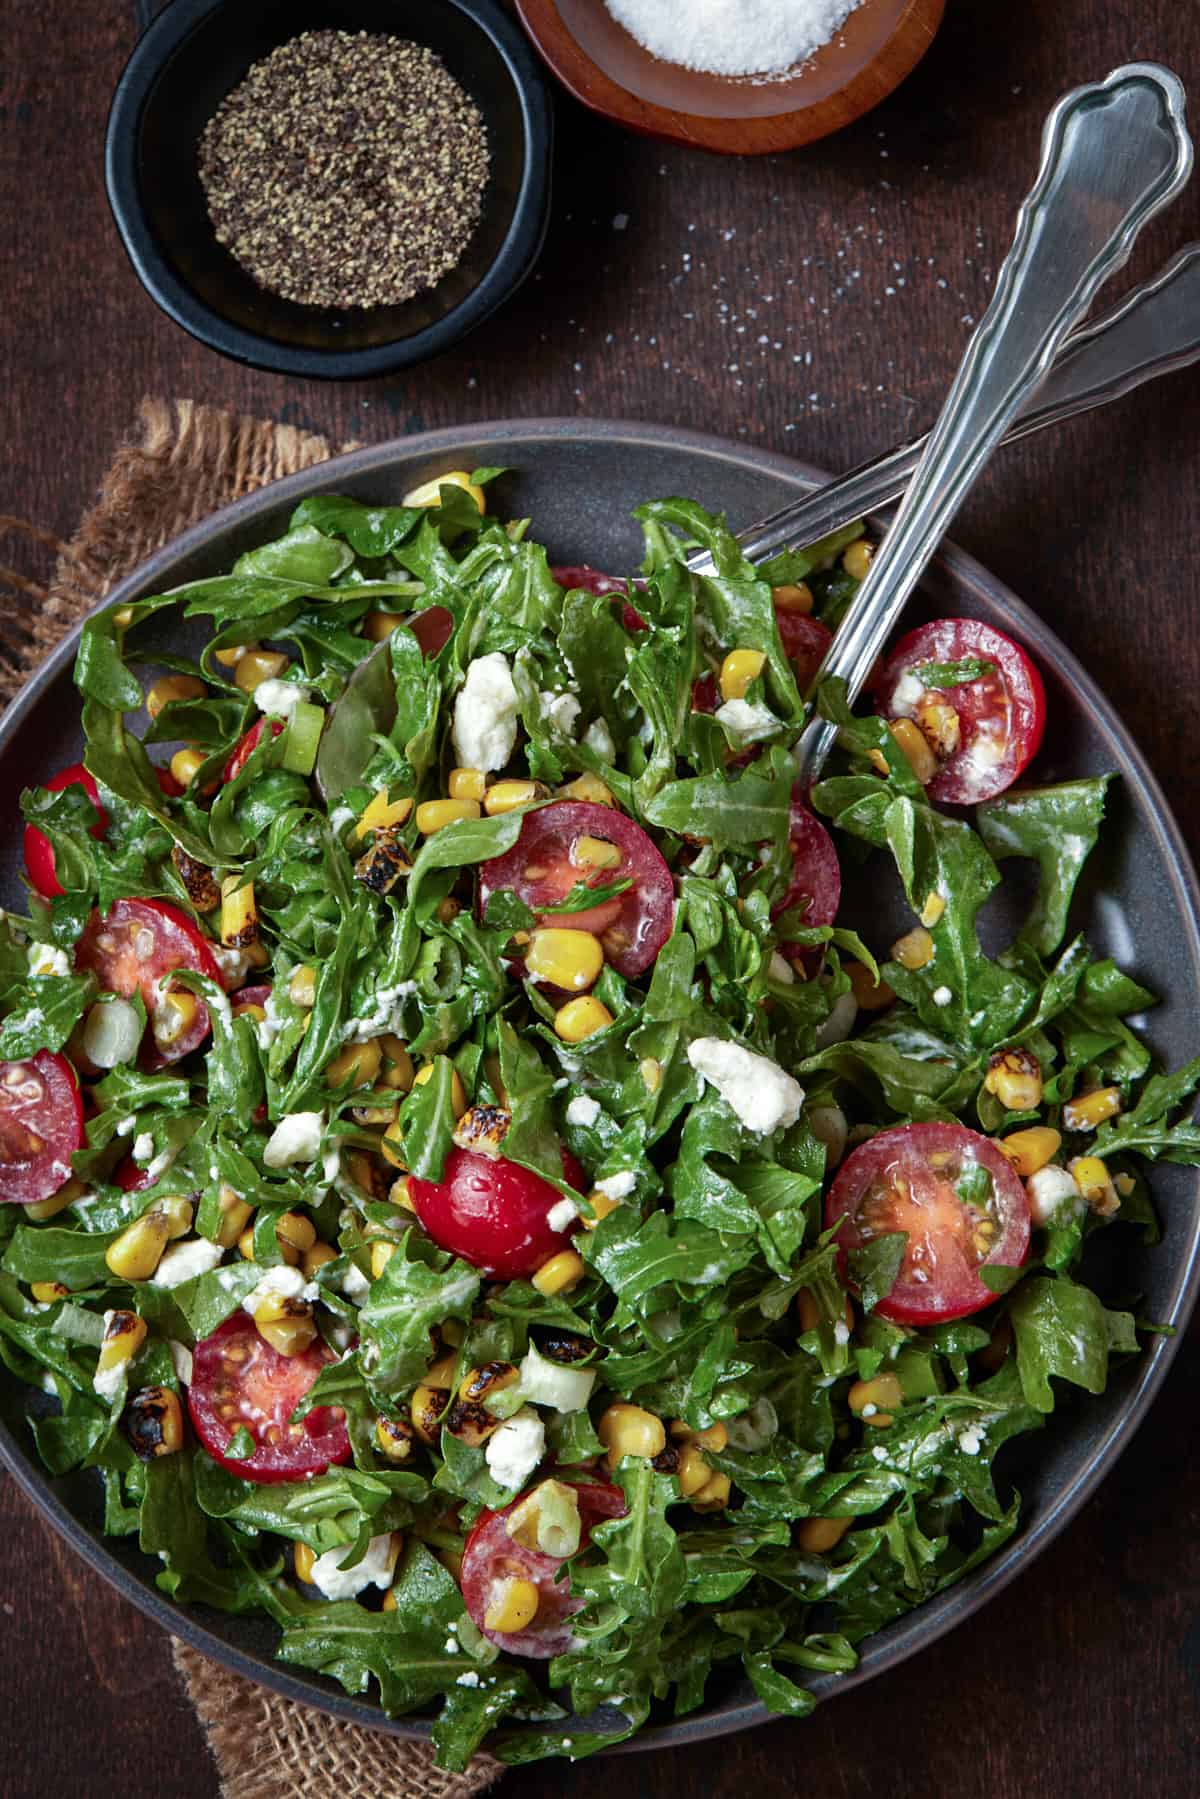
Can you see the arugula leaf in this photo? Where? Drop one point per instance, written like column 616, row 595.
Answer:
column 419, row 1287
column 41, row 1012
column 1063, row 1329
column 952, row 674
column 1058, row 828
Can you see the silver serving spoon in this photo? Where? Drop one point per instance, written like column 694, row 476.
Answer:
column 1113, row 154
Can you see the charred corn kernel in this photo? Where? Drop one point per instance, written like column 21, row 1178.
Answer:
column 547, row 1520
column 387, row 861
column 358, row 1063
column 470, row 1422
column 480, row 1384
column 467, row 784
column 58, row 1202
column 691, row 1470
column 932, row 910
column 739, row 669
column 173, row 1015
column 560, row 1273
column 378, row 625
column 810, row 1312
column 257, row 666
column 293, row 1230
column 820, row 1535
column 178, row 1213
column 1095, row 1183
column 302, row 985
column 381, row 1254
column 581, row 1018
column 429, row 492
column 630, row 1430
column 153, row 1422
column 287, row 1324
column 383, row 814
column 793, row 596
column 239, row 913
column 939, row 725
column 1031, row 1149
column 856, row 559
column 431, row 1399
column 870, row 1400
column 124, row 1334
column 46, row 1292
column 235, row 1216
column 435, row 815
column 506, row 796
column 1015, row 1077
column 915, row 949
column 870, row 995
column 316, row 1257
column 1091, row 1109
column 303, row 1560
column 458, row 1093
column 917, row 751
column 394, row 1438
column 651, row 1073
column 232, row 654
column 601, row 1205
column 595, row 852
column 382, row 1111
column 713, row 1496
column 512, row 1605
column 400, row 1196
column 186, row 765
column 588, row 787
column 482, row 1129
column 136, row 1253
column 397, row 1070
column 572, row 960
column 171, row 690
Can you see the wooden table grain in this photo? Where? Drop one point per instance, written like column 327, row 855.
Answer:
column 813, row 303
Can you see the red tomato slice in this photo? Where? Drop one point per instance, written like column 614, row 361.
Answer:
column 706, row 695
column 239, row 1380
column 432, row 628
column 493, row 1213
column 39, row 856
column 248, row 745
column 816, row 873
column 907, row 1179
column 137, row 948
column 806, row 644
column 593, row 580
column 41, row 1125
column 1001, row 716
column 129, row 1177
column 541, row 870
column 172, row 789
column 491, row 1555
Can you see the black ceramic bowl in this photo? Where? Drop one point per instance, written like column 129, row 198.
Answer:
column 193, row 54
column 1139, row 902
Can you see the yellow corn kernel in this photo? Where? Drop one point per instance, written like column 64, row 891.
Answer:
column 394, row 1438
column 1095, row 1183
column 588, row 787
column 512, row 1605
column 382, row 1111
column 691, row 1471
column 651, row 1073
column 397, row 1070
column 915, row 949
column 870, row 1400
column 713, row 1496
column 382, row 814
column 46, row 1292
column 381, row 1254
column 581, row 1018
column 232, row 654
column 239, row 914
column 820, row 1535
column 389, row 1600
column 435, row 815
column 431, row 1399
column 250, row 1009
column 428, row 493
column 870, row 995
column 739, row 669
column 171, row 689
column 917, row 751
column 357, row 1062
column 400, row 1196
column 286, row 1324
column 186, row 765
column 178, row 1213
column 316, row 1258
column 1031, row 1149
column 479, row 1384
column 378, row 625
column 793, row 596
column 932, row 910
column 1091, row 1109
column 303, row 1559
column 172, row 1016
column 601, row 1205
column 595, row 852
column 293, row 1230
column 245, row 1244
column 507, row 796
column 572, row 960
column 391, row 1145
column 58, row 1202
column 235, row 1216
column 714, row 1436
column 630, row 1430
column 136, row 1253
column 560, row 1273
column 467, row 784
column 257, row 666
column 856, row 559
column 458, row 1093
column 940, row 726
column 154, row 1423
column 1015, row 1077
column 302, row 985
column 124, row 1334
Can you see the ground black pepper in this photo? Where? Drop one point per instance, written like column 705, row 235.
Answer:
column 347, row 169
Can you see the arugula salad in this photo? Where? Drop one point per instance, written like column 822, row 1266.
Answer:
column 469, row 1199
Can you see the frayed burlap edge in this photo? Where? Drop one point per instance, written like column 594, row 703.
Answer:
column 181, row 463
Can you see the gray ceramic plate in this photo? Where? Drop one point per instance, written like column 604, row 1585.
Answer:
column 579, row 482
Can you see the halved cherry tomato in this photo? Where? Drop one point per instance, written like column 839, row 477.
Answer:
column 432, row 628
column 41, row 1126
column 493, row 1213
column 129, row 1177
column 39, row 855
column 239, row 1381
column 541, row 869
column 706, row 695
column 816, row 873
column 491, row 1555
column 593, row 580
column 245, row 749
column 1001, row 716
column 172, row 789
column 251, row 996
column 805, row 642
column 917, row 1179
column 136, row 948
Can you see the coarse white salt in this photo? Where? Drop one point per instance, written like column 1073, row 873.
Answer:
column 732, row 37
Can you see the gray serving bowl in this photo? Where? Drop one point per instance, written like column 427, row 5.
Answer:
column 579, row 482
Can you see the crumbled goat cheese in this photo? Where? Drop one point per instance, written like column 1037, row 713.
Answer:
column 485, row 715
column 468, row 1678
column 618, row 1186
column 375, row 1569
column 143, row 1147
column 44, row 959
column 1049, row 1189
column 280, row 1282
column 183, row 1261
column 515, row 1449
column 598, row 738
column 126, row 1126
column 745, row 722
column 841, row 1331
column 583, row 1110
column 279, row 698
column 562, row 711
column 908, row 694
column 942, row 996
column 562, row 1215
column 758, row 1090
column 544, row 1382
column 970, row 1442
column 233, row 963
column 296, row 1138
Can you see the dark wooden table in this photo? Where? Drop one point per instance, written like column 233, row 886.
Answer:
column 814, row 303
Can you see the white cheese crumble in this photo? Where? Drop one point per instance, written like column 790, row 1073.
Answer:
column 620, row 1185
column 562, row 711
column 942, row 996
column 562, row 1215
column 126, row 1126
column 583, row 1110
column 279, row 698
column 764, row 1097
column 970, row 1442
column 233, row 963
column 281, row 1282
column 375, row 1569
column 908, row 694
column 296, row 1138
column 515, row 1449
column 468, row 1678
column 1049, row 1189
column 598, row 738
column 841, row 1331
column 44, row 959
column 485, row 715
column 546, row 1383
column 747, row 722
column 184, row 1261
column 106, row 1382
column 143, row 1147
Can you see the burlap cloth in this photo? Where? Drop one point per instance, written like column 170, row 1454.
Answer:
column 181, row 463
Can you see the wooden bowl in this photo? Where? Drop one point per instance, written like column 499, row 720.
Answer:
column 598, row 62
